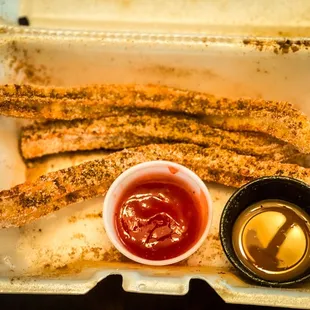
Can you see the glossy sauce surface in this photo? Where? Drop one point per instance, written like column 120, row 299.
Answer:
column 271, row 238
column 158, row 220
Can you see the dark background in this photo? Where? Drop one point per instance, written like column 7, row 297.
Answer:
column 109, row 294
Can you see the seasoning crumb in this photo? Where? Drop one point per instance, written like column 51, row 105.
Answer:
column 64, row 267
column 72, row 219
column 78, row 236
column 23, row 63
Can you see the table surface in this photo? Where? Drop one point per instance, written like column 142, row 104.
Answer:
column 109, row 295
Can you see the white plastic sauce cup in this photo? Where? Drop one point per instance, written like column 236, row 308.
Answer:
column 149, row 171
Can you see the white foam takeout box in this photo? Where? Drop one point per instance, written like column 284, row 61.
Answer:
column 200, row 45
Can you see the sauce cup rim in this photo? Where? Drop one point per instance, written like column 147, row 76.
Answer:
column 109, row 207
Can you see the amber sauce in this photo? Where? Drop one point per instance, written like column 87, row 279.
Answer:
column 158, row 219
column 272, row 239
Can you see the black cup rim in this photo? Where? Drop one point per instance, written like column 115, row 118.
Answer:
column 231, row 255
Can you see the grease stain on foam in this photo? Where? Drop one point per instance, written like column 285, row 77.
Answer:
column 79, row 235
column 23, row 63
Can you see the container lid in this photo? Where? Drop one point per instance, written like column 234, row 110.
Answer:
column 272, row 239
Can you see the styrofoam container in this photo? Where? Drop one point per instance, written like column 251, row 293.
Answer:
column 150, row 171
column 68, row 252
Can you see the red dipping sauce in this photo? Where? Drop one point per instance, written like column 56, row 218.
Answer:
column 158, row 220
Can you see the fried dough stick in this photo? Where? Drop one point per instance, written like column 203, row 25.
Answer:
column 118, row 132
column 31, row 200
column 278, row 119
